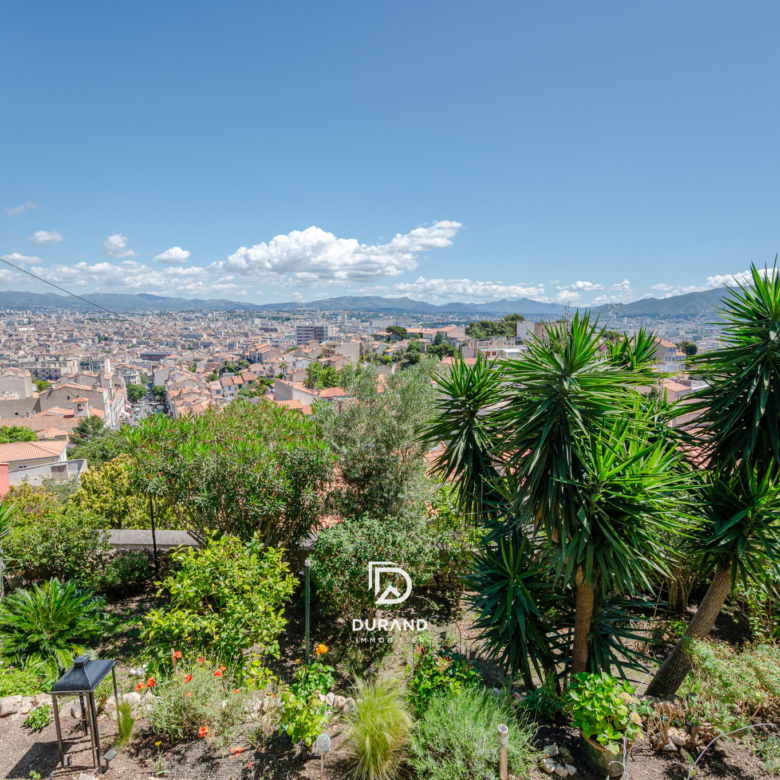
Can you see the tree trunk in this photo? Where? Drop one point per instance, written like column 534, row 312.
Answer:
column 676, row 667
column 583, row 616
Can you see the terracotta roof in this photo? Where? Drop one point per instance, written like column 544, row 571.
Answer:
column 333, row 392
column 30, row 450
column 80, row 400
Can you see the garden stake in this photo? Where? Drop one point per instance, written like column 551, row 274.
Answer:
column 503, row 741
column 308, row 595
column 154, row 535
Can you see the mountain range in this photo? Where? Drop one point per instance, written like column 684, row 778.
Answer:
column 687, row 305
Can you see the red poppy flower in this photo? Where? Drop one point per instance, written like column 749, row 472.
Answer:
column 238, row 751
column 201, row 660
column 188, row 678
column 203, row 731
column 150, row 682
column 177, row 654
column 218, row 673
column 235, row 690
column 249, row 765
column 222, row 668
column 139, row 686
column 188, row 694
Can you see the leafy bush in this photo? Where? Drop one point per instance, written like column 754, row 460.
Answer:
column 39, row 718
column 124, row 572
column 342, row 553
column 543, row 703
column 435, row 671
column 379, row 729
column 456, row 738
column 603, row 708
column 46, row 626
column 64, row 543
column 227, row 597
column 198, row 700
column 12, row 433
column 18, row 682
column 303, row 715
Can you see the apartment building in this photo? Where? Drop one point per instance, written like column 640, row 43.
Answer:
column 52, row 369
column 315, row 331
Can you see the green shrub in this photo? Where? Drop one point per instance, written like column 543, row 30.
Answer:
column 769, row 750
column 303, row 715
column 342, row 553
column 199, row 700
column 456, row 738
column 604, row 708
column 435, row 671
column 39, row 718
column 18, row 682
column 226, row 598
column 65, row 543
column 125, row 572
column 46, row 626
column 379, row 729
column 543, row 703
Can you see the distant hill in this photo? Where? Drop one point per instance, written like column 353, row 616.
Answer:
column 688, row 305
column 676, row 306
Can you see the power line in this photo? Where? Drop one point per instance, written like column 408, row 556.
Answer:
column 62, row 289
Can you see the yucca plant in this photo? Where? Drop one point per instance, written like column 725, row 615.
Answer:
column 379, row 729
column 739, row 434
column 7, row 515
column 44, row 627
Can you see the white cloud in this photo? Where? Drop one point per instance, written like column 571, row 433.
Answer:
column 46, row 237
column 456, row 290
column 131, row 275
column 623, row 293
column 12, row 212
column 583, row 286
column 566, row 296
column 712, row 283
column 22, row 260
column 173, row 256
column 314, row 256
column 116, row 246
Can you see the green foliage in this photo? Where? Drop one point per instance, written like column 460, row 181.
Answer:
column 688, row 347
column 212, row 377
column 342, row 553
column 769, row 750
column 376, row 438
column 321, row 377
column 730, row 688
column 400, row 332
column 379, row 729
column 604, row 709
column 39, row 718
column 544, row 703
column 303, row 716
column 66, row 543
column 441, row 350
column 314, row 678
column 242, row 470
column 435, row 671
column 14, row 433
column 96, row 443
column 158, row 391
column 15, row 681
column 124, row 724
column 226, row 598
column 41, row 384
column 504, row 328
column 124, row 573
column 46, row 626
column 456, row 738
column 135, row 393
column 200, row 700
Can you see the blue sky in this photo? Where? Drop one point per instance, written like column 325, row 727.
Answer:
column 266, row 152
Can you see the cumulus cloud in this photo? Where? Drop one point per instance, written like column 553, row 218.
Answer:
column 582, row 286
column 712, row 283
column 22, row 260
column 131, row 275
column 173, row 256
column 12, row 212
column 314, row 256
column 456, row 290
column 623, row 292
column 116, row 246
column 46, row 237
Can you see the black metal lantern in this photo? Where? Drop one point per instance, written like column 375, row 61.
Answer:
column 83, row 678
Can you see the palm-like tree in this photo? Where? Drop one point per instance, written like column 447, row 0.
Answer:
column 738, row 433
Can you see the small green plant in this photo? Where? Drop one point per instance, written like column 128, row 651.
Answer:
column 34, row 775
column 124, row 724
column 604, row 708
column 542, row 704
column 456, row 737
column 314, row 678
column 303, row 716
column 769, row 750
column 39, row 718
column 379, row 728
column 437, row 670
column 124, row 572
column 677, row 628
column 18, row 682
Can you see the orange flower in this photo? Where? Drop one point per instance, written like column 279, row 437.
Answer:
column 235, row 690
column 218, row 673
column 188, row 694
column 203, row 731
column 238, row 751
column 222, row 668
column 177, row 654
column 139, row 686
column 201, row 660
column 321, row 649
column 188, row 678
column 150, row 682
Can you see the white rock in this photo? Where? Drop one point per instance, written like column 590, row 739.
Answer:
column 322, row 697
column 678, row 736
column 561, row 771
column 75, row 710
column 572, row 770
column 339, row 702
column 550, row 750
column 10, row 705
column 547, row 765
column 349, row 704
column 670, row 747
column 329, row 698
